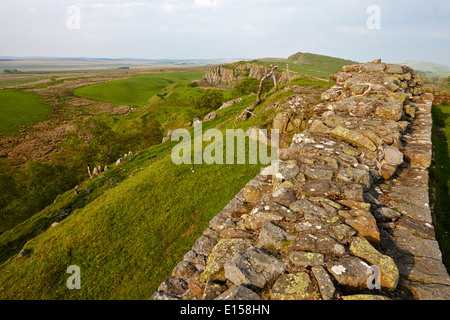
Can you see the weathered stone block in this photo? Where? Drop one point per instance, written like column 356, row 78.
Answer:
column 389, row 274
column 294, row 286
column 253, row 267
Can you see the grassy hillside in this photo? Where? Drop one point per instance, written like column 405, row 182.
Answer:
column 135, row 91
column 311, row 64
column 20, row 108
column 126, row 240
column 135, row 223
column 429, row 67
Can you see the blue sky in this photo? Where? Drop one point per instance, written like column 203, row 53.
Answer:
column 182, row 29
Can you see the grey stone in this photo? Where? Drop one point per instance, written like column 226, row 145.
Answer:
column 213, row 290
column 164, row 296
column 416, row 246
column 184, row 269
column 253, row 267
column 317, row 242
column 198, row 260
column 355, row 175
column 319, row 173
column 421, row 291
column 305, row 206
column 288, row 169
column 306, row 259
column 386, row 213
column 238, row 293
column 393, row 156
column 321, row 188
column 423, row 269
column 343, row 230
column 23, row 253
column 256, row 218
column 223, row 251
column 175, row 286
column 294, row 286
column 284, row 196
column 204, row 245
column 350, row 272
column 326, row 286
column 420, row 228
column 273, row 235
column 254, row 190
column 210, row 116
column 415, row 212
column 236, row 208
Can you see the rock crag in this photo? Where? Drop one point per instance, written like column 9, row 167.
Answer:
column 344, row 213
column 228, row 76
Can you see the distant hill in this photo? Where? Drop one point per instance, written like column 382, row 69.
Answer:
column 46, row 64
column 433, row 72
column 312, row 64
column 428, row 66
column 320, row 61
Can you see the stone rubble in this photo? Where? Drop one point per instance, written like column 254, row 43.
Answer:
column 350, row 197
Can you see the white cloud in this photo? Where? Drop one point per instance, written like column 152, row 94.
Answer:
column 254, row 31
column 289, row 9
column 163, row 6
column 191, row 30
column 353, row 29
column 211, row 4
column 123, row 5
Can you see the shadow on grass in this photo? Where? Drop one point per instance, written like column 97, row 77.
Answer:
column 439, row 178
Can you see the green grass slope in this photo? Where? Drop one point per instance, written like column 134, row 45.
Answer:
column 125, row 241
column 311, row 64
column 126, row 230
column 18, row 108
column 137, row 90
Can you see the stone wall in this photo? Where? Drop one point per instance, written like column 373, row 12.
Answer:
column 441, row 97
column 345, row 212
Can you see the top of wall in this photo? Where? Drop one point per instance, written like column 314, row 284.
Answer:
column 344, row 214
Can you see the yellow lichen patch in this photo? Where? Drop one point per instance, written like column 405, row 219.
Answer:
column 389, row 274
column 295, row 286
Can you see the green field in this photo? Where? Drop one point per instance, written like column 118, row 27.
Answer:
column 20, row 108
column 137, row 90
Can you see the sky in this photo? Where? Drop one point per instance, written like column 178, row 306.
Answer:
column 360, row 30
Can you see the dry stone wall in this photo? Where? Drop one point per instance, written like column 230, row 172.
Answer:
column 345, row 212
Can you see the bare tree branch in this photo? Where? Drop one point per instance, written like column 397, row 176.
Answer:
column 249, row 110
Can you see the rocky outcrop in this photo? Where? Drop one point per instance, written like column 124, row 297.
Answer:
column 229, row 75
column 343, row 214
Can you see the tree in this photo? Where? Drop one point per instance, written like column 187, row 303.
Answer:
column 249, row 110
column 93, row 142
column 8, row 190
column 208, row 101
column 141, row 134
column 250, row 85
